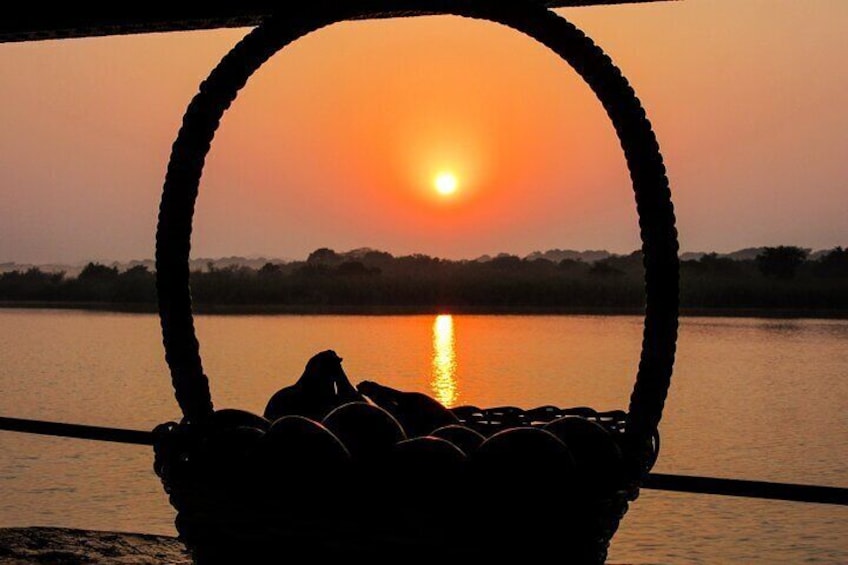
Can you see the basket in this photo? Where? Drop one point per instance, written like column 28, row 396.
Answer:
column 233, row 508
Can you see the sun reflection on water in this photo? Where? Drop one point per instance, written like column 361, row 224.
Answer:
column 443, row 381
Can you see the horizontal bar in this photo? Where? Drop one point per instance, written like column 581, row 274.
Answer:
column 750, row 489
column 33, row 21
column 658, row 481
column 78, row 431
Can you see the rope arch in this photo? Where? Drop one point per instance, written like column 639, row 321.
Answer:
column 641, row 150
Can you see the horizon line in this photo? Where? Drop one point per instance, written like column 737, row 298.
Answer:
column 366, row 249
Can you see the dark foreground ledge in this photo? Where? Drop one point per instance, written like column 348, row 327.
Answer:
column 35, row 546
column 63, row 546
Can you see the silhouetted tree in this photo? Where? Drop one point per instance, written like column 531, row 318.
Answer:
column 833, row 264
column 355, row 268
column 604, row 269
column 97, row 272
column 719, row 265
column 573, row 267
column 781, row 262
column 377, row 258
column 32, row 284
column 313, row 270
column 136, row 284
column 506, row 262
column 324, row 256
column 270, row 270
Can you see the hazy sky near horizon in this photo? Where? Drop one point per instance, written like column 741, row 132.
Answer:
column 336, row 141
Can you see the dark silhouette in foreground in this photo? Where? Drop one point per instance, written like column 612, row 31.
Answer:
column 418, row 413
column 322, row 387
column 339, row 464
column 48, row 546
column 464, row 438
column 368, row 431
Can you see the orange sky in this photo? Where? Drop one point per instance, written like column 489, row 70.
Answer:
column 336, row 141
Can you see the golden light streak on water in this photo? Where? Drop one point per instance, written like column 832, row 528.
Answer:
column 443, row 375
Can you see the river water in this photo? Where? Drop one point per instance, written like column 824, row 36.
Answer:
column 751, row 398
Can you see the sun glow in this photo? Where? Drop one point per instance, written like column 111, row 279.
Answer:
column 445, row 183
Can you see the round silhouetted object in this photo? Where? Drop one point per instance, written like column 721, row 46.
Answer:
column 530, row 472
column 427, row 453
column 598, row 458
column 528, row 457
column 305, row 443
column 366, row 430
column 224, row 455
column 305, row 466
column 230, row 436
column 466, row 439
column 233, row 418
column 426, row 474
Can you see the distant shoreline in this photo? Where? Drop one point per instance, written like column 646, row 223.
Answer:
column 410, row 310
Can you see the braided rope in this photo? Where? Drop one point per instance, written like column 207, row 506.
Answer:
column 650, row 185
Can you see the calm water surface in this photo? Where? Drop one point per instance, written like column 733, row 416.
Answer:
column 751, row 398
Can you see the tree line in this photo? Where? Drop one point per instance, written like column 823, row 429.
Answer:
column 778, row 278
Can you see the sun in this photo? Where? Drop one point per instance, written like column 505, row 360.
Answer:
column 445, row 183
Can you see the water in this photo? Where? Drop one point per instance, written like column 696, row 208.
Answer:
column 751, row 398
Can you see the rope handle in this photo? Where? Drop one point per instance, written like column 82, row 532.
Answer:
column 644, row 161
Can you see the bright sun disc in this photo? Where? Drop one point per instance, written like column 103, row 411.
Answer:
column 445, row 183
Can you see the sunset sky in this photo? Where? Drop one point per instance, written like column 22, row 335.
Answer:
column 339, row 140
